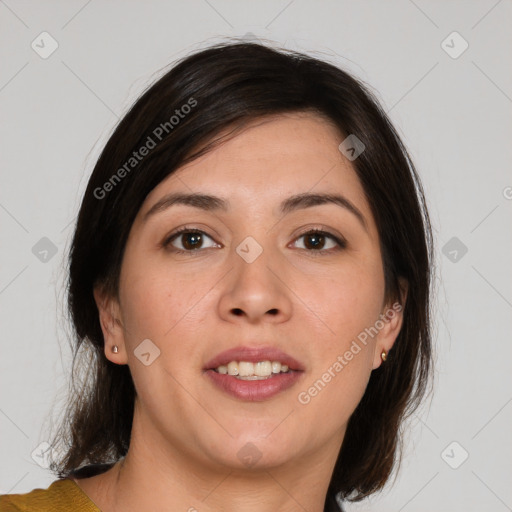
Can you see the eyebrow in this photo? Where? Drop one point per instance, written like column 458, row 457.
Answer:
column 213, row 203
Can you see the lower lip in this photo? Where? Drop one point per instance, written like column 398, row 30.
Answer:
column 254, row 390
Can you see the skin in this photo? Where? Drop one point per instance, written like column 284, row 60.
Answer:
column 186, row 432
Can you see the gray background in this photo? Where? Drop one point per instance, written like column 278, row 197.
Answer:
column 453, row 113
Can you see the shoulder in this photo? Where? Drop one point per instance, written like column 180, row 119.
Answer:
column 62, row 495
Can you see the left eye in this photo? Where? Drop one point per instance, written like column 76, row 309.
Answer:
column 316, row 240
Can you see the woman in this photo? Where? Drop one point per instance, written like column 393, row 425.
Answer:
column 250, row 277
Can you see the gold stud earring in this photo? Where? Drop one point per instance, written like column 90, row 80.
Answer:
column 384, row 356
column 115, row 349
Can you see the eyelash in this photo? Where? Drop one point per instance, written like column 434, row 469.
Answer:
column 339, row 241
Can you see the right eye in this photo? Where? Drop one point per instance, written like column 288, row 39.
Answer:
column 188, row 240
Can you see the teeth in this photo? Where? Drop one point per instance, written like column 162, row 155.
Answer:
column 245, row 369
column 263, row 369
column 252, row 371
column 233, row 368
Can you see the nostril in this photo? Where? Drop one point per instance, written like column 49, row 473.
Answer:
column 239, row 312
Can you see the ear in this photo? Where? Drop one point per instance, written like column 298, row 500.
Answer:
column 392, row 318
column 111, row 326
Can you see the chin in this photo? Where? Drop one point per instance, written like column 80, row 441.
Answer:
column 256, row 451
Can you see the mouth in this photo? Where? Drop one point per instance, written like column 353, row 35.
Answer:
column 253, row 374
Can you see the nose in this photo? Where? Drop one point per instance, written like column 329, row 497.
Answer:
column 256, row 292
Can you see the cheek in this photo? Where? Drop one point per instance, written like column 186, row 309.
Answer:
column 343, row 354
column 171, row 309
column 156, row 299
column 158, row 305
column 338, row 392
column 346, row 298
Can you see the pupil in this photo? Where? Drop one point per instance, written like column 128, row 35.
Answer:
column 192, row 240
column 317, row 240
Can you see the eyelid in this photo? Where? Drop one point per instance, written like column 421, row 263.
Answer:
column 320, row 228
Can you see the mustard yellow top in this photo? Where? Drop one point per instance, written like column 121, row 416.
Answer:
column 61, row 496
column 65, row 496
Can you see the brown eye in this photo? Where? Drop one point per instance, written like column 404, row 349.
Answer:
column 188, row 240
column 320, row 241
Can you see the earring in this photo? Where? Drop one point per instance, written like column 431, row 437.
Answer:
column 384, row 356
column 115, row 349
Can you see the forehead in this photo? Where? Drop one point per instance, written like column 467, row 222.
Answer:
column 268, row 160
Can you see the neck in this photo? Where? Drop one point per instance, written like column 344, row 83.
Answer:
column 156, row 476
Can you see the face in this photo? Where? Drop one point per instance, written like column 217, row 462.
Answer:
column 305, row 279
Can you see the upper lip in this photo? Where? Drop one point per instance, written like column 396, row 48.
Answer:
column 253, row 355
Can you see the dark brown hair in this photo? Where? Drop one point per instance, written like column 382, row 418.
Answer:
column 226, row 86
